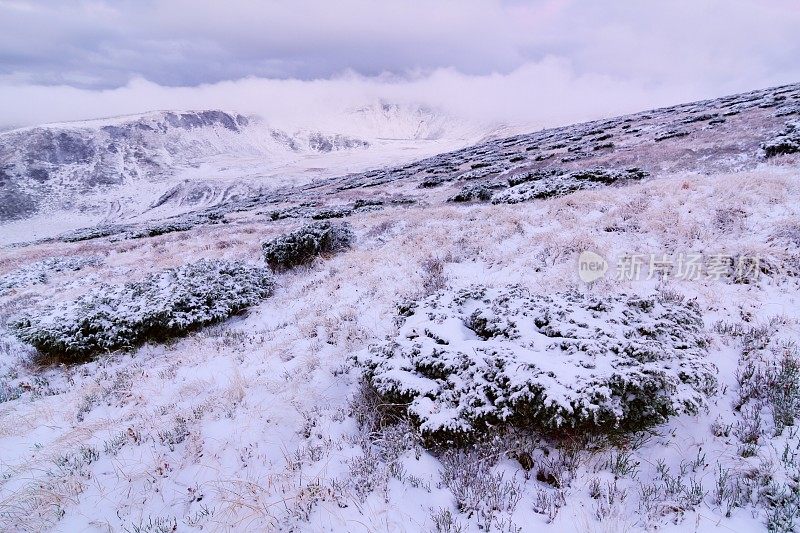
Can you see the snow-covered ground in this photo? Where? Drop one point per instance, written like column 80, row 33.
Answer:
column 263, row 423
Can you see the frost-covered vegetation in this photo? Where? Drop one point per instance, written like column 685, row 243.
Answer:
column 160, row 306
column 93, row 232
column 40, row 271
column 540, row 185
column 117, row 232
column 303, row 245
column 264, row 423
column 468, row 361
column 762, row 431
column 314, row 449
column 788, row 142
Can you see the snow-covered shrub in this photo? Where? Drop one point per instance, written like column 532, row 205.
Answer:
column 36, row 273
column 670, row 134
column 332, row 212
column 183, row 222
column 173, row 224
column 93, row 232
column 788, row 142
column 305, row 244
column 547, row 184
column 465, row 361
column 479, row 191
column 162, row 305
column 541, row 184
column 481, row 172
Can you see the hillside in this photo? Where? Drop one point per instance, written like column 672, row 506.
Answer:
column 455, row 343
column 122, row 168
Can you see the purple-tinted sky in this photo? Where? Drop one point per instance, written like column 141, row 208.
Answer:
column 74, row 59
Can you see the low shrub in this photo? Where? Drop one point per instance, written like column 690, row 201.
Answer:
column 162, row 305
column 175, row 224
column 788, row 142
column 464, row 362
column 303, row 245
column 670, row 134
column 550, row 183
column 154, row 228
column 94, row 232
column 480, row 191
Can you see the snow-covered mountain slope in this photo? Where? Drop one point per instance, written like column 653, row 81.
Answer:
column 110, row 169
column 306, row 172
column 44, row 166
column 263, row 421
column 660, row 394
column 391, row 121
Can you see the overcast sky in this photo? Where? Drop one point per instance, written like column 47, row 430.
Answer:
column 545, row 61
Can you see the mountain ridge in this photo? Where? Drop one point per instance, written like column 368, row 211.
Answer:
column 61, row 165
column 727, row 133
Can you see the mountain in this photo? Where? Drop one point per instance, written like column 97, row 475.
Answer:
column 727, row 134
column 392, row 121
column 43, row 165
column 159, row 165
column 122, row 175
column 111, row 169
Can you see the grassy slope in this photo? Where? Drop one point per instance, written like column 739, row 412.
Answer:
column 251, row 423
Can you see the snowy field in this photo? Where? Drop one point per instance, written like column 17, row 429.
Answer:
column 264, row 421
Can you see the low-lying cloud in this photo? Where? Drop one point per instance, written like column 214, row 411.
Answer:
column 542, row 62
column 540, row 94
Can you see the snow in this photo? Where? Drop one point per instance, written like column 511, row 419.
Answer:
column 481, row 357
column 205, row 165
column 266, row 403
column 36, row 273
column 167, row 303
column 261, row 422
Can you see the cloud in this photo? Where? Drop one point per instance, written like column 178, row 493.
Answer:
column 105, row 44
column 539, row 61
column 187, row 42
column 545, row 93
